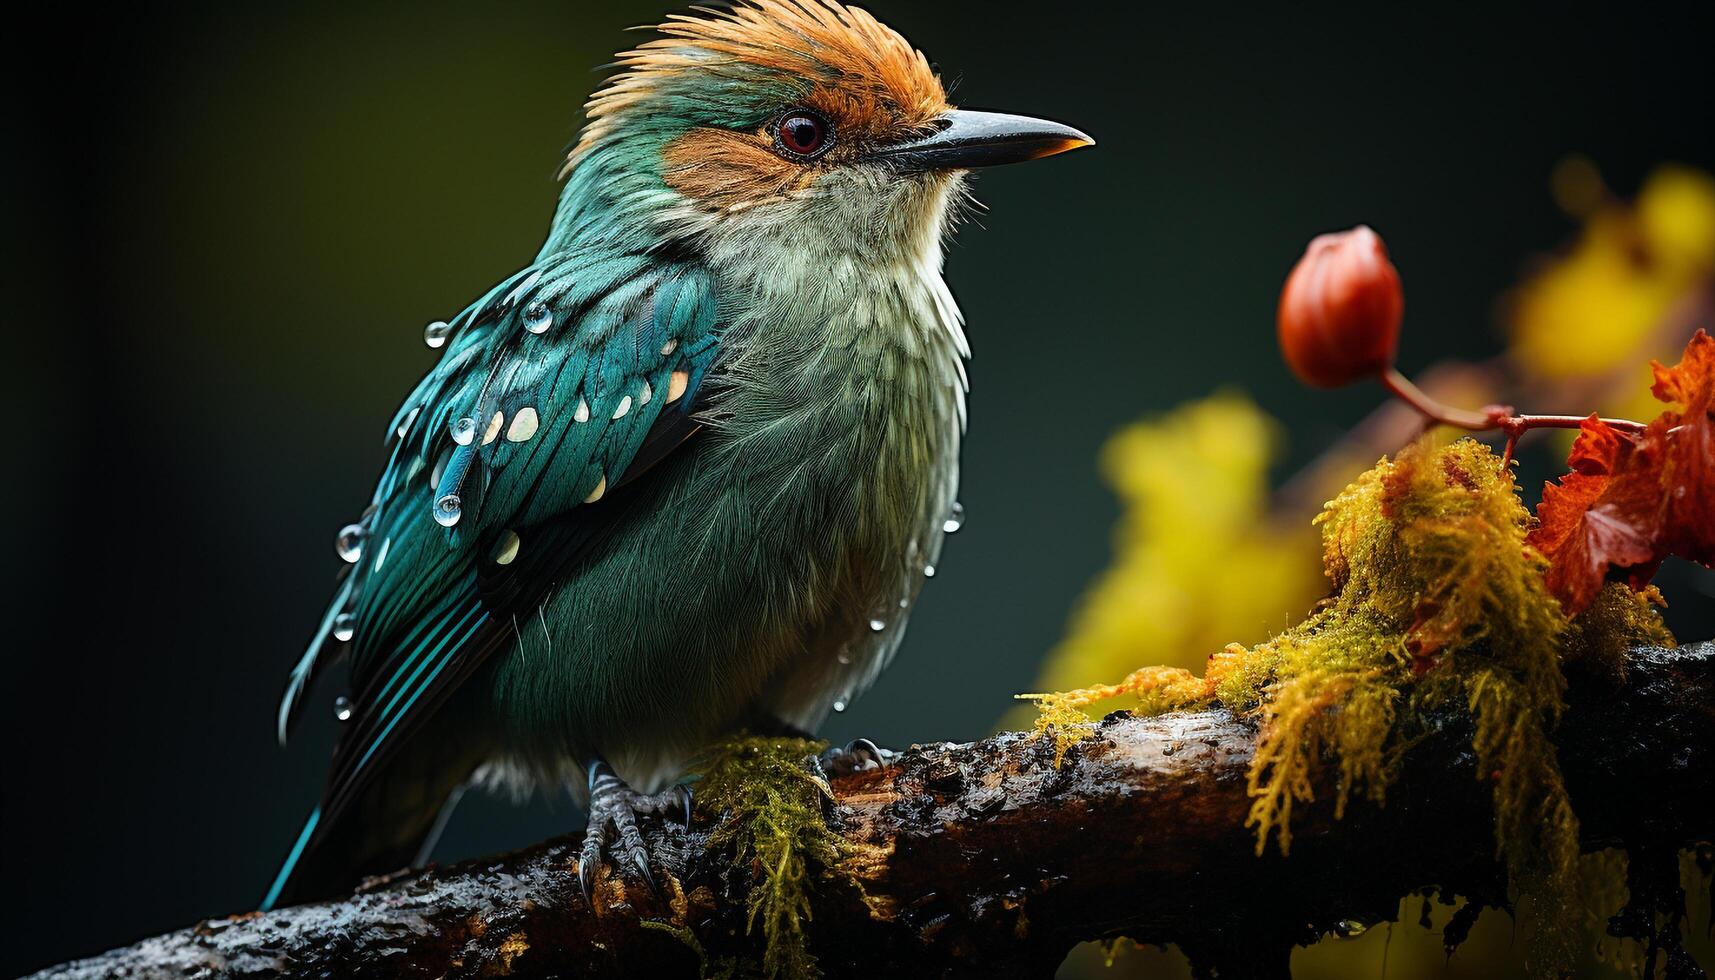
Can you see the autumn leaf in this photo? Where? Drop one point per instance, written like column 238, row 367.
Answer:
column 1689, row 466
column 1602, row 515
column 1632, row 500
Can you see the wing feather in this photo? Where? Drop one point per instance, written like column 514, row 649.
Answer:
column 521, row 423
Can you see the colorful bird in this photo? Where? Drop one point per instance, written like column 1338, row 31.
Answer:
column 685, row 472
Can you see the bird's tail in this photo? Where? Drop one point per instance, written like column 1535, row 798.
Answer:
column 392, row 826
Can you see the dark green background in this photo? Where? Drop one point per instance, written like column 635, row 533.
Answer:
column 232, row 222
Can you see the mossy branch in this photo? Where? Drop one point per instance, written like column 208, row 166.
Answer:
column 987, row 860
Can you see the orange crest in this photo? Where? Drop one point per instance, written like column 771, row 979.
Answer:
column 841, row 61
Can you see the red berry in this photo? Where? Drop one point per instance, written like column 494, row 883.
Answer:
column 1340, row 311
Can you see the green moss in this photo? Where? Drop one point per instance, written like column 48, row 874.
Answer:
column 720, row 968
column 769, row 803
column 1436, row 603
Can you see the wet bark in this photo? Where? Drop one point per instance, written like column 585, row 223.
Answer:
column 986, row 860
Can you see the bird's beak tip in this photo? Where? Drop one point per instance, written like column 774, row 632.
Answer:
column 1067, row 145
column 968, row 138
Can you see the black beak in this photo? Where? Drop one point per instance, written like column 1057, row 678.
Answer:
column 966, row 139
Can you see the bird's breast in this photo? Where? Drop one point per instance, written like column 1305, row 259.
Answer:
column 842, row 420
column 844, row 400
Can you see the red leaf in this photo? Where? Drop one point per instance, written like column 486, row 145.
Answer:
column 1593, row 521
column 1689, row 470
column 1690, row 473
column 1598, row 448
column 1692, row 380
column 1630, row 501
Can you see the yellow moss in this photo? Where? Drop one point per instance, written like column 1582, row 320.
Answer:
column 1444, row 559
column 1433, row 542
column 1618, row 620
column 1536, row 832
column 1158, row 690
column 1329, row 692
column 1437, row 602
column 770, row 806
column 1431, row 577
column 1238, row 677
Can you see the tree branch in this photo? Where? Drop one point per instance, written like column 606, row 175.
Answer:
column 985, row 860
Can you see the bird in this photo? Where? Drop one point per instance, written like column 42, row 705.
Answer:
column 682, row 475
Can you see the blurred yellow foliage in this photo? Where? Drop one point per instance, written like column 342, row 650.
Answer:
column 1198, row 559
column 1603, row 305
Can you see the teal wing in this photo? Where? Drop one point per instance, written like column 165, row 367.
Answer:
column 563, row 384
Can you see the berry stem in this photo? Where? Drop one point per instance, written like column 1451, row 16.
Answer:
column 1493, row 417
column 1428, row 407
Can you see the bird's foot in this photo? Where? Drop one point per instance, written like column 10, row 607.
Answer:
column 858, row 755
column 614, row 809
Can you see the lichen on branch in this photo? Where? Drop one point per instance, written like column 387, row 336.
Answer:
column 1437, row 600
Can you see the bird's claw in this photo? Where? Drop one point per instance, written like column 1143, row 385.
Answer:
column 586, row 863
column 614, row 808
column 857, row 755
column 682, row 795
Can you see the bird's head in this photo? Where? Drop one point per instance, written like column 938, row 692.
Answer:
column 802, row 123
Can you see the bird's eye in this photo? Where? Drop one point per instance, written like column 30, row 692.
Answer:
column 802, row 135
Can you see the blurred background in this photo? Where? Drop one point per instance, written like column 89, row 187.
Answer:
column 230, row 223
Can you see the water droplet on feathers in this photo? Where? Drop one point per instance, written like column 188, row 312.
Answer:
column 344, row 627
column 955, row 518
column 448, row 509
column 877, row 624
column 538, row 318
column 435, row 334
column 348, row 544
column 342, row 708
column 463, row 430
